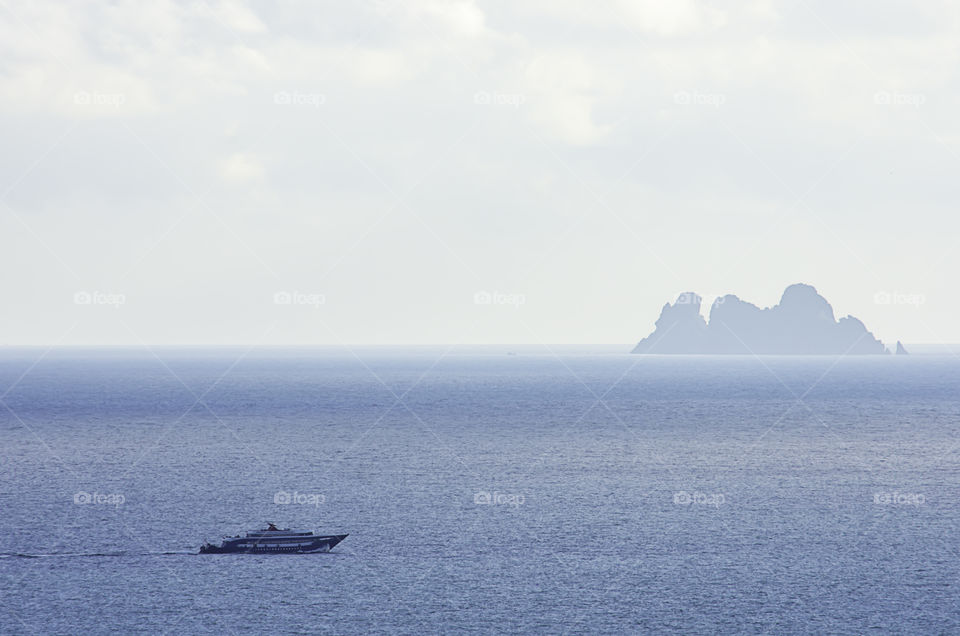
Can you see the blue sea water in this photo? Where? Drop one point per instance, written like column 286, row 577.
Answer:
column 551, row 491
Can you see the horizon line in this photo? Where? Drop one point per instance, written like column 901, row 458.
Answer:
column 355, row 344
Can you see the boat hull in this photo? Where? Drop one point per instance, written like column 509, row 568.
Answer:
column 269, row 546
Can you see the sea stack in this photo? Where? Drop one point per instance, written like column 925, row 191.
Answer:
column 802, row 323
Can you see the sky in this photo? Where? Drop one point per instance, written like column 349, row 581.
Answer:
column 429, row 172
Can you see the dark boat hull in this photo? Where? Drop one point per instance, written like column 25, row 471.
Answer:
column 265, row 546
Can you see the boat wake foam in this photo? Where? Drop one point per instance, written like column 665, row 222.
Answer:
column 62, row 555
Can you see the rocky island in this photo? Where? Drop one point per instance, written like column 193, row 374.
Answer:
column 802, row 323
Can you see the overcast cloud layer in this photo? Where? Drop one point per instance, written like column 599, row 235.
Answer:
column 433, row 171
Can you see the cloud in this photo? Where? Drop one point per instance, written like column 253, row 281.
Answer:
column 239, row 167
column 238, row 17
column 455, row 17
column 382, row 148
column 650, row 17
column 676, row 17
column 563, row 90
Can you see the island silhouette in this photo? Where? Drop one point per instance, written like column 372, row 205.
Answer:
column 801, row 324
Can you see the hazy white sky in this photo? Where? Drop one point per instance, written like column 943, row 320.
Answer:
column 432, row 171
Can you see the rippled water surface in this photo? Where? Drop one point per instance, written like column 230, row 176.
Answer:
column 550, row 491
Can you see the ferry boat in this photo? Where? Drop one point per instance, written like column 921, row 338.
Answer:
column 274, row 540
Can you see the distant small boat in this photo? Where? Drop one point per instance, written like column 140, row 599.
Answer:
column 274, row 540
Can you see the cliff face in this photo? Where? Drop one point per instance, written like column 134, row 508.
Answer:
column 680, row 328
column 802, row 323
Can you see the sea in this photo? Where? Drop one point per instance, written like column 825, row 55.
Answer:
column 485, row 490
